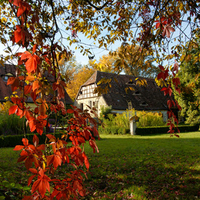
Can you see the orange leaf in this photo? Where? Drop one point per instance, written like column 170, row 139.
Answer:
column 70, row 111
column 11, row 80
column 25, row 141
column 30, row 78
column 35, row 140
column 32, row 125
column 21, row 10
column 31, row 178
column 33, row 170
column 32, row 61
column 36, row 85
column 13, row 109
column 18, row 147
column 27, row 89
column 42, row 109
column 19, row 34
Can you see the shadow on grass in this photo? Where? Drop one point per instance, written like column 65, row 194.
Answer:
column 145, row 169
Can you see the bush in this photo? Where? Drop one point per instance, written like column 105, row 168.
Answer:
column 11, row 124
column 121, row 124
column 13, row 140
column 149, row 119
column 164, row 129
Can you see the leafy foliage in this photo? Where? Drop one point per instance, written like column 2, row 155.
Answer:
column 120, row 123
column 189, row 73
column 78, row 80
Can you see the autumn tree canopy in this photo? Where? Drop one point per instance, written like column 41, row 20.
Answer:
column 132, row 60
column 189, row 73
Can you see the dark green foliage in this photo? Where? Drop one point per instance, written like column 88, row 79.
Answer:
column 13, row 140
column 189, row 75
column 11, row 125
column 113, row 130
column 105, row 111
column 164, row 129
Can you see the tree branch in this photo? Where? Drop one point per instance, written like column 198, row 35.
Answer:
column 97, row 8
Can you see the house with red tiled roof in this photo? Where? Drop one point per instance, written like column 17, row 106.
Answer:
column 121, row 92
column 7, row 71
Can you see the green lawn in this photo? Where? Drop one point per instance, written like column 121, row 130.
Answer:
column 128, row 167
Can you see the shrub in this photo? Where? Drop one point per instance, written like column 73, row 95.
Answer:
column 105, row 110
column 11, row 124
column 149, row 119
column 121, row 124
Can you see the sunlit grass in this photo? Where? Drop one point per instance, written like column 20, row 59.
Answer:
column 129, row 167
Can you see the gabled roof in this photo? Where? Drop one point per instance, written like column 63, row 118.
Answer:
column 125, row 91
column 5, row 90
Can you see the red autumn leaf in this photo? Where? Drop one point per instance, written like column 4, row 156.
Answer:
column 11, row 80
column 31, row 178
column 32, row 125
column 81, row 139
column 19, row 34
column 86, row 161
column 34, row 48
column 51, row 137
column 21, row 10
column 94, row 146
column 18, row 147
column 35, row 140
column 32, row 61
column 27, row 89
column 166, row 31
column 25, row 141
column 42, row 184
column 33, row 170
column 23, row 6
column 54, row 159
column 36, row 85
column 70, row 111
column 42, row 109
column 13, row 109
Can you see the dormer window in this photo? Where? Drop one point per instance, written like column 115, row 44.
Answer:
column 143, row 104
column 130, row 82
column 137, row 93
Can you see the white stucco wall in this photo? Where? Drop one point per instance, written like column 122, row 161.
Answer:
column 93, row 101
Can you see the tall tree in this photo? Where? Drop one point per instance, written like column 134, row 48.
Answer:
column 133, row 60
column 69, row 68
column 189, row 75
column 78, row 79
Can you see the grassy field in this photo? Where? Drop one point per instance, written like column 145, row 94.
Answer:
column 127, row 167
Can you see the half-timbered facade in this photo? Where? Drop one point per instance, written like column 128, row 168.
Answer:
column 123, row 92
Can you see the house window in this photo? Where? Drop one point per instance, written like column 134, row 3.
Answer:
column 5, row 78
column 143, row 104
column 81, row 106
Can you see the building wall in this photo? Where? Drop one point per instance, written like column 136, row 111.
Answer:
column 96, row 102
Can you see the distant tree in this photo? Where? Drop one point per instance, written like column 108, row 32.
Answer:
column 133, row 60
column 189, row 75
column 79, row 78
column 68, row 67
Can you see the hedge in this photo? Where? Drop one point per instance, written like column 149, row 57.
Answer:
column 164, row 129
column 145, row 130
column 13, row 140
